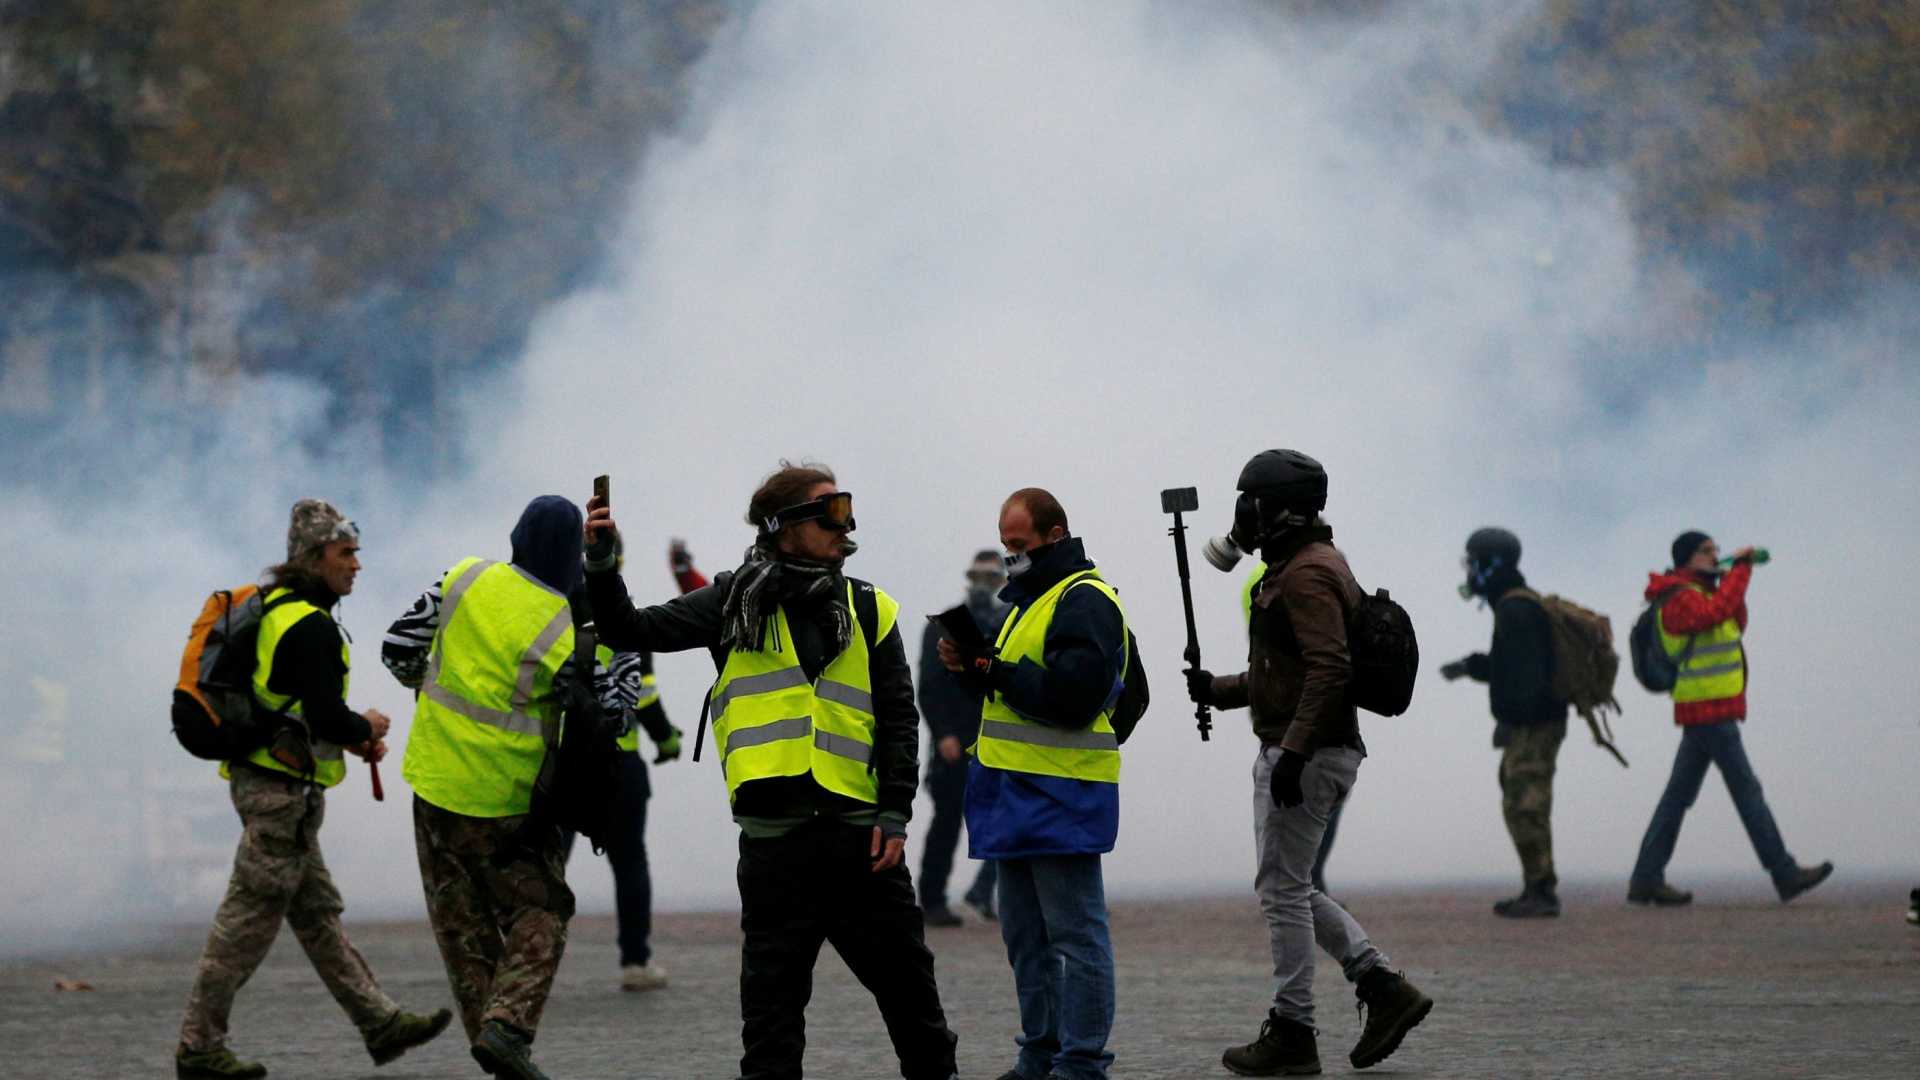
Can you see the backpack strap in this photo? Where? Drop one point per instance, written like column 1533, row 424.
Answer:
column 866, row 608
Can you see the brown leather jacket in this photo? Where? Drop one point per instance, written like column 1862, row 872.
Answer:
column 1298, row 664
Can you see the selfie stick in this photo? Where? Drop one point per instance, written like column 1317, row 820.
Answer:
column 1175, row 501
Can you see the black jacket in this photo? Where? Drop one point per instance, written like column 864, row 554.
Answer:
column 308, row 668
column 1085, row 648
column 694, row 621
column 1518, row 667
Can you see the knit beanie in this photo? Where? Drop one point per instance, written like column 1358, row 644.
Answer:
column 1686, row 544
column 314, row 524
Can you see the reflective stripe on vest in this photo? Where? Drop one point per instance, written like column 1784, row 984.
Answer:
column 1017, row 743
column 1716, row 669
column 329, row 762
column 487, row 699
column 769, row 721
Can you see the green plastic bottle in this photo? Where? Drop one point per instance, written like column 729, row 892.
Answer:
column 1761, row 556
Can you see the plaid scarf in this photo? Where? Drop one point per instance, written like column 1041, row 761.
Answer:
column 768, row 579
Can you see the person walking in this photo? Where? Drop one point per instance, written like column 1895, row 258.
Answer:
column 1702, row 621
column 1043, row 790
column 279, row 874
column 1295, row 685
column 640, row 710
column 1247, row 590
column 1529, row 722
column 818, row 740
column 951, row 706
column 488, row 648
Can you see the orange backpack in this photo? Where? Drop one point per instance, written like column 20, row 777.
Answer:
column 214, row 714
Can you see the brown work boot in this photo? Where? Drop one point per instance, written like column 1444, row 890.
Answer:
column 1284, row 1048
column 404, row 1032
column 216, row 1064
column 1393, row 1007
column 1802, row 879
column 1661, row 895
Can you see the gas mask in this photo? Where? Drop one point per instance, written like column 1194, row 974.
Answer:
column 1477, row 577
column 1225, row 552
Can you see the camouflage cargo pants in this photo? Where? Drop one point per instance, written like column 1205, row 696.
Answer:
column 278, row 874
column 1526, row 795
column 501, row 927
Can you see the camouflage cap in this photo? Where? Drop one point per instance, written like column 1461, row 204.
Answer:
column 315, row 524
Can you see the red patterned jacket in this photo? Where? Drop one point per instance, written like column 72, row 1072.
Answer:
column 1690, row 612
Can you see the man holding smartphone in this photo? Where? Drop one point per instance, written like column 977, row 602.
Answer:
column 818, row 739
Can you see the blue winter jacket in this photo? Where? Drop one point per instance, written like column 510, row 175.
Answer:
column 1012, row 815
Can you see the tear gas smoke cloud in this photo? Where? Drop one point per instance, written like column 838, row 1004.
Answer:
column 1106, row 250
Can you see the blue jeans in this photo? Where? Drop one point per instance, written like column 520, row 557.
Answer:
column 1053, row 917
column 1702, row 745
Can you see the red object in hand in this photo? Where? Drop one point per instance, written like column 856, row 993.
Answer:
column 379, row 793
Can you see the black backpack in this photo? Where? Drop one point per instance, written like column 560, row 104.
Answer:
column 579, row 780
column 1654, row 669
column 1386, row 655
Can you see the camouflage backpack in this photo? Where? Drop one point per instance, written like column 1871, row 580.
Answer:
column 1584, row 663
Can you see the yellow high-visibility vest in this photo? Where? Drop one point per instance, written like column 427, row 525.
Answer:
column 487, row 705
column 1717, row 666
column 329, row 761
column 769, row 721
column 1017, row 743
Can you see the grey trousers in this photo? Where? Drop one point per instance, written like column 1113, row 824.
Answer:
column 1298, row 915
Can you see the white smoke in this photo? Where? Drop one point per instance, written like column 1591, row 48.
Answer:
column 1104, row 249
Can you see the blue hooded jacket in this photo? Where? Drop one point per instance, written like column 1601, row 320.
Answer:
column 547, row 543
column 1014, row 815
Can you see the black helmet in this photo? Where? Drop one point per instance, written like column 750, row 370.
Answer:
column 1486, row 545
column 1286, row 478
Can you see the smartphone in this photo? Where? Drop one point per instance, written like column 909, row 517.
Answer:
column 602, row 485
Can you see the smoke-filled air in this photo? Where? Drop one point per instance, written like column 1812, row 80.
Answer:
column 1509, row 264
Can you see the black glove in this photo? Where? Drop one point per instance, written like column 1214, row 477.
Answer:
column 678, row 557
column 1455, row 670
column 1200, row 685
column 1285, row 785
column 977, row 666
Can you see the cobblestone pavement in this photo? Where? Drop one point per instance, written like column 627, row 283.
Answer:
column 1736, row 986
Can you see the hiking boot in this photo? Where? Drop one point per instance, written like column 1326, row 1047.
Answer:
column 940, row 915
column 1284, row 1048
column 1393, row 1007
column 504, row 1051
column 404, row 1032
column 1913, row 907
column 1661, row 895
column 1802, row 879
column 1534, row 902
column 216, row 1064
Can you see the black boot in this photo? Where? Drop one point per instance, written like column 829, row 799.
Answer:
column 1536, row 901
column 1394, row 1007
column 505, row 1052
column 1284, row 1048
column 939, row 915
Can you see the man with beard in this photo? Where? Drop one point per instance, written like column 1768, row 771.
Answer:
column 1296, row 684
column 952, row 708
column 818, row 739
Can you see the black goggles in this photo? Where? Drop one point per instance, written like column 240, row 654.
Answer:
column 834, row 512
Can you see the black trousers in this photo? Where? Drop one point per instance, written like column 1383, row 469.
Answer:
column 947, row 784
column 627, row 855
column 815, row 885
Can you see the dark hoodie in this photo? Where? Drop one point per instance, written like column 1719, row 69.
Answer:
column 547, row 543
column 1518, row 666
